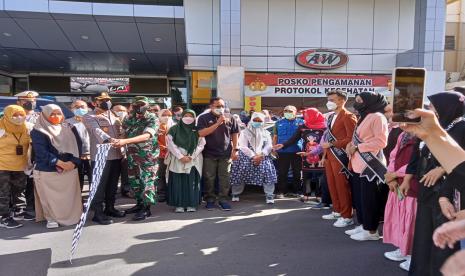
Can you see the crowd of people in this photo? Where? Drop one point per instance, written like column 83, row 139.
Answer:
column 368, row 170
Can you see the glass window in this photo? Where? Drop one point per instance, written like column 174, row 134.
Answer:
column 6, row 85
column 178, row 90
column 21, row 84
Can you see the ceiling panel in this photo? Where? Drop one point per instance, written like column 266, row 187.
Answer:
column 121, row 37
column 75, row 29
column 46, row 34
column 70, row 56
column 17, row 37
column 150, row 33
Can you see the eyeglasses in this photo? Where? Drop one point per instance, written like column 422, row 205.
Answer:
column 288, row 111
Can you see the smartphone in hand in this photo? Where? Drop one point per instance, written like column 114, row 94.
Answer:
column 408, row 93
column 400, row 195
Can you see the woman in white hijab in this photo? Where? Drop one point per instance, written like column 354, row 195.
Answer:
column 57, row 154
column 254, row 166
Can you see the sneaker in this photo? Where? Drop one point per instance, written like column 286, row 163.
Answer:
column 210, row 206
column 320, row 206
column 279, row 196
column 406, row 265
column 395, row 256
column 9, row 222
column 191, row 209
column 354, row 231
column 365, row 236
column 270, row 199
column 343, row 222
column 24, row 216
column 333, row 215
column 225, row 206
column 52, row 224
column 179, row 210
column 235, row 198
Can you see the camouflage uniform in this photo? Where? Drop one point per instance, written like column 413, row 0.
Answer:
column 142, row 158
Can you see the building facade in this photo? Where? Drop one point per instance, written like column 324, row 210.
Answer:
column 293, row 51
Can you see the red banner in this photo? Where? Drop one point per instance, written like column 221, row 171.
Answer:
column 306, row 85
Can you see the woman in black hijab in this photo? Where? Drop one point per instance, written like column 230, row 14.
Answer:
column 436, row 194
column 368, row 164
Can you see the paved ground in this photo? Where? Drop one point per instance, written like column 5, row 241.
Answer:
column 253, row 239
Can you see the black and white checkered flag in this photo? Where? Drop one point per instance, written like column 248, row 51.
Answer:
column 100, row 160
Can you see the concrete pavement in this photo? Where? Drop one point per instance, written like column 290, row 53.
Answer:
column 253, row 239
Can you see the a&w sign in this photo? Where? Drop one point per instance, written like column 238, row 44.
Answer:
column 322, row 59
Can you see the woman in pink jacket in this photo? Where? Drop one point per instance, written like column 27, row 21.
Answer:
column 368, row 164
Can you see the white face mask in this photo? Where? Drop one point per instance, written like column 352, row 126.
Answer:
column 331, row 106
column 164, row 119
column 121, row 114
column 219, row 111
column 18, row 120
column 188, row 120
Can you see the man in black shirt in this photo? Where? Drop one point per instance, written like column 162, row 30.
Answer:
column 221, row 136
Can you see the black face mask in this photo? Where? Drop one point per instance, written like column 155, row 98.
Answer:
column 105, row 105
column 29, row 105
column 141, row 109
column 360, row 107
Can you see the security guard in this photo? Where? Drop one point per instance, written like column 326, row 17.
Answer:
column 105, row 127
column 28, row 100
column 141, row 130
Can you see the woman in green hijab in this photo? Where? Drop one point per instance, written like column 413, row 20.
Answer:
column 184, row 164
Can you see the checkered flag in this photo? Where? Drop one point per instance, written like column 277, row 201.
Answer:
column 100, row 160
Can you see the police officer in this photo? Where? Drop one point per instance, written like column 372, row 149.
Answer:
column 141, row 130
column 104, row 127
column 28, row 100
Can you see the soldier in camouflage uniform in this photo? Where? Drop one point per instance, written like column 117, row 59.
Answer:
column 142, row 151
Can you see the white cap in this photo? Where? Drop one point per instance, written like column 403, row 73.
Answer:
column 27, row 95
column 291, row 108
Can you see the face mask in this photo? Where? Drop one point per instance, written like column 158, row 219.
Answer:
column 121, row 114
column 188, row 120
column 164, row 119
column 360, row 107
column 289, row 116
column 331, row 106
column 257, row 124
column 105, row 105
column 29, row 105
column 55, row 120
column 80, row 112
column 219, row 111
column 18, row 120
column 141, row 109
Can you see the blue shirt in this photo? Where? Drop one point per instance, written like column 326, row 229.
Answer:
column 285, row 129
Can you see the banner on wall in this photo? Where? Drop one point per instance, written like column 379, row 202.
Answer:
column 230, row 85
column 253, row 103
column 305, row 85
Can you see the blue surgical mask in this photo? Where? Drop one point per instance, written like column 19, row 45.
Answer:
column 257, row 124
column 80, row 112
column 289, row 116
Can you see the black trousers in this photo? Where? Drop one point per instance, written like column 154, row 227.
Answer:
column 84, row 169
column 367, row 199
column 286, row 161
column 106, row 192
column 29, row 194
column 427, row 259
column 125, row 187
column 325, row 196
column 161, row 179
